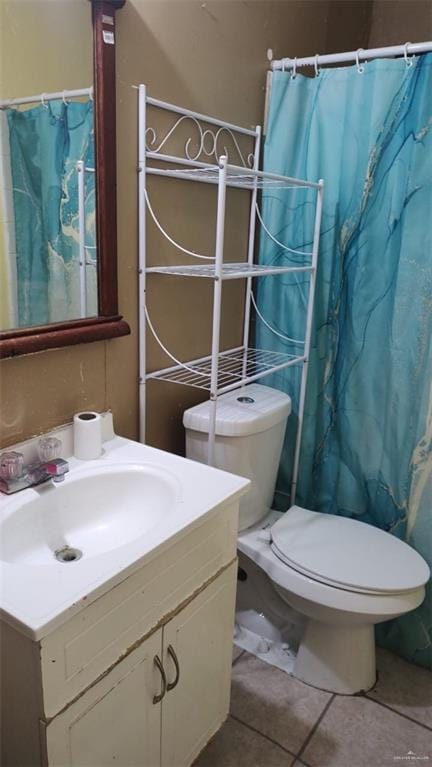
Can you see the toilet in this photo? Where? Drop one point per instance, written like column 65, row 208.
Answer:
column 331, row 576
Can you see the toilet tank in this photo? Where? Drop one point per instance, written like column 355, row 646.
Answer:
column 250, row 430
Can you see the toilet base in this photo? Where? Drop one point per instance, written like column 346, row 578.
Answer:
column 337, row 658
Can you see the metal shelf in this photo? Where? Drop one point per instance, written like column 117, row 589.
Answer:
column 241, row 178
column 236, row 367
column 233, row 271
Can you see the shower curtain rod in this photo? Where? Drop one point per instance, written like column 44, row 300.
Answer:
column 42, row 97
column 408, row 49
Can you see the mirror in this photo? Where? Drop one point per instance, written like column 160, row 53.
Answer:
column 58, row 268
column 47, row 169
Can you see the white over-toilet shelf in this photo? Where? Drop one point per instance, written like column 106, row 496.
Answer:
column 230, row 271
column 222, row 370
column 236, row 367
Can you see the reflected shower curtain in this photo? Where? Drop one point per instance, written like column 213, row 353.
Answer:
column 45, row 143
column 367, row 435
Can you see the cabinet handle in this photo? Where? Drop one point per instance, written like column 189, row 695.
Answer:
column 160, row 668
column 173, row 656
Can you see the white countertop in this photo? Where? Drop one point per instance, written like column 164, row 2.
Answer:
column 37, row 598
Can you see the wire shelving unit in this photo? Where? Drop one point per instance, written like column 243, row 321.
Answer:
column 230, row 271
column 222, row 370
column 236, row 367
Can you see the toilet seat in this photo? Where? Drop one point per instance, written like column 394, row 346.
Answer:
column 256, row 544
column 346, row 553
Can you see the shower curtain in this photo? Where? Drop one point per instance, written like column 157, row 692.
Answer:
column 367, row 434
column 45, row 144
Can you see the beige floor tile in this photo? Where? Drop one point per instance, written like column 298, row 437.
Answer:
column 235, row 745
column 237, row 651
column 357, row 732
column 404, row 687
column 275, row 703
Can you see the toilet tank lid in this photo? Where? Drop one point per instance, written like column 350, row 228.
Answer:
column 241, row 412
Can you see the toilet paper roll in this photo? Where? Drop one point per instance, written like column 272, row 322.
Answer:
column 87, row 429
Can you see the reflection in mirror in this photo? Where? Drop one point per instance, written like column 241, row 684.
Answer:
column 48, row 249
column 47, row 178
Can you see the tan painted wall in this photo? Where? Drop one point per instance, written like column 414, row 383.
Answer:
column 46, row 45
column 209, row 56
column 399, row 21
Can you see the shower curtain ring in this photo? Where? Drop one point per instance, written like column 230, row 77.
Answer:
column 360, row 67
column 64, row 99
column 283, row 65
column 317, row 69
column 408, row 59
column 294, row 69
column 91, row 94
column 43, row 100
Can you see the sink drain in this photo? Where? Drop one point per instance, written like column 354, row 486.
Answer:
column 68, row 554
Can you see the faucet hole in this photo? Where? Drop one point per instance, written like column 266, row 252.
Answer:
column 68, row 554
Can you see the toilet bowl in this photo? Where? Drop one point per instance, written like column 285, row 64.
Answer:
column 339, row 575
column 337, row 646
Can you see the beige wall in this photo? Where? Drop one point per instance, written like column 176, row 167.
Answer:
column 209, row 56
column 46, row 45
column 400, row 21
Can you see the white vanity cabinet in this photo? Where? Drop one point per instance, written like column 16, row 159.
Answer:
column 86, row 693
column 120, row 720
column 201, row 637
column 115, row 721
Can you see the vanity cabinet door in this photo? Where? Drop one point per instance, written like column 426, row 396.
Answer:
column 200, row 639
column 115, row 722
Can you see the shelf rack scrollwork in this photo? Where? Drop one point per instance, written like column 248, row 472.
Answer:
column 205, row 144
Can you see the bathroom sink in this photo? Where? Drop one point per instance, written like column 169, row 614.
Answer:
column 88, row 514
column 64, row 545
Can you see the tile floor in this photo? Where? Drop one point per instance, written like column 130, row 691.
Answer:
column 277, row 721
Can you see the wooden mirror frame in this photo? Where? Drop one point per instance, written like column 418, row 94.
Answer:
column 108, row 323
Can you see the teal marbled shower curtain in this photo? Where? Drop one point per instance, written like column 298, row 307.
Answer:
column 367, row 437
column 45, row 143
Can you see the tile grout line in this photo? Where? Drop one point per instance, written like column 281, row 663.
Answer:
column 303, row 763
column 263, row 735
column 395, row 711
column 321, row 717
column 316, row 725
